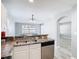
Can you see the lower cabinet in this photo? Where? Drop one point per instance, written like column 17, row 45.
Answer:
column 27, row 52
column 21, row 52
column 35, row 51
column 21, row 55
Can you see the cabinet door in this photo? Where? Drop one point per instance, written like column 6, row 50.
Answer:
column 35, row 51
column 21, row 53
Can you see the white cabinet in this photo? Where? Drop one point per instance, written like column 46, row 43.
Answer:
column 21, row 52
column 21, row 55
column 27, row 52
column 35, row 51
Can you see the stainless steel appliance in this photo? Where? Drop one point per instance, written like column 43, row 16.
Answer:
column 48, row 50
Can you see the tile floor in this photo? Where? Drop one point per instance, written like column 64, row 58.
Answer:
column 61, row 54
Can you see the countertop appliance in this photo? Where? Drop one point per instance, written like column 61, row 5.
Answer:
column 47, row 50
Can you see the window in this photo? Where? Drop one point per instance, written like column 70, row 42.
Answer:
column 27, row 29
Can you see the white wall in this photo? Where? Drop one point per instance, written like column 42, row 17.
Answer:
column 7, row 24
column 74, row 33
column 49, row 28
column 3, row 18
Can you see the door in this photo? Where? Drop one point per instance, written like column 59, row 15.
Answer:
column 64, row 37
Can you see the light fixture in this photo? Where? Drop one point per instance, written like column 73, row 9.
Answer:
column 32, row 17
column 31, row 1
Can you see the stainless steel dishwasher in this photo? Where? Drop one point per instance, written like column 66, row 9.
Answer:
column 47, row 50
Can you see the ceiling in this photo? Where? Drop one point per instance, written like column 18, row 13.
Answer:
column 42, row 9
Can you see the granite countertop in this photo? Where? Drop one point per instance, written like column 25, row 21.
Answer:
column 31, row 42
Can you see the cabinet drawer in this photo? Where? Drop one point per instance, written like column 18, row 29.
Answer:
column 35, row 46
column 20, row 48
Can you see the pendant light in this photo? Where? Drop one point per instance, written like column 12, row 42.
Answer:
column 32, row 17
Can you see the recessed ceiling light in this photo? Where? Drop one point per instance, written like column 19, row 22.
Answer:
column 31, row 1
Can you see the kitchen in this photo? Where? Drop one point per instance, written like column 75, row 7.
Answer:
column 31, row 28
